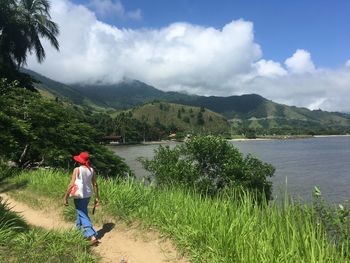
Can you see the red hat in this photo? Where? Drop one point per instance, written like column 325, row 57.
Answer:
column 82, row 158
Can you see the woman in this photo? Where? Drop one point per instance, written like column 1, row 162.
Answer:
column 89, row 185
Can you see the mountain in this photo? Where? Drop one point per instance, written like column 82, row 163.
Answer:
column 128, row 94
column 184, row 118
column 55, row 88
column 249, row 111
column 124, row 95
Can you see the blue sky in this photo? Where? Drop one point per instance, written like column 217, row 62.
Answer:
column 320, row 26
column 292, row 52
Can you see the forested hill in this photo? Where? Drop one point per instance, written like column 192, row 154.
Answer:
column 181, row 117
column 128, row 94
column 124, row 95
column 251, row 111
column 55, row 88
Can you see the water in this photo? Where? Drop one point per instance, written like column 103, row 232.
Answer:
column 303, row 163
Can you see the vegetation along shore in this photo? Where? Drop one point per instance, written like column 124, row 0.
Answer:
column 211, row 217
column 204, row 197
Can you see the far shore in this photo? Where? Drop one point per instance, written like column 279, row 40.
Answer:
column 246, row 139
column 268, row 138
column 336, row 135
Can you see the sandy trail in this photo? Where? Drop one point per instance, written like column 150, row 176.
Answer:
column 117, row 243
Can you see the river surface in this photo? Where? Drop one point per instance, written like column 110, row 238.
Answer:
column 300, row 164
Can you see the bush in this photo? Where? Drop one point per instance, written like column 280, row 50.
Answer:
column 39, row 131
column 335, row 220
column 210, row 164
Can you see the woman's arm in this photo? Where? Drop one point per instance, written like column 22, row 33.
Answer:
column 96, row 192
column 70, row 185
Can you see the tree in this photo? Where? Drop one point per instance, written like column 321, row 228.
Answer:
column 179, row 114
column 210, row 165
column 200, row 120
column 25, row 23
column 22, row 24
column 35, row 130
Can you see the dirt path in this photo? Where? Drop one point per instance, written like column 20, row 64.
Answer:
column 117, row 242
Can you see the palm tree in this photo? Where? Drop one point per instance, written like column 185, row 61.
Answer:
column 25, row 22
column 11, row 36
column 38, row 24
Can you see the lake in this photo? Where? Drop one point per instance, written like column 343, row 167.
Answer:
column 302, row 163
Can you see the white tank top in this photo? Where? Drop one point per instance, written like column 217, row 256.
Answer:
column 86, row 176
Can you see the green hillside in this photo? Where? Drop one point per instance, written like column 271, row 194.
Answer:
column 273, row 118
column 54, row 89
column 184, row 118
column 124, row 95
column 244, row 112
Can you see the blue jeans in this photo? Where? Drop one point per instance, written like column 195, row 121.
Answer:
column 83, row 220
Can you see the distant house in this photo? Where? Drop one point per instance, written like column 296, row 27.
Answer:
column 172, row 136
column 111, row 139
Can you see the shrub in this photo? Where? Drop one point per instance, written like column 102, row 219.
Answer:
column 209, row 164
column 336, row 220
column 39, row 131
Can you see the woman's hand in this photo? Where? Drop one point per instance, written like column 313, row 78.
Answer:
column 65, row 201
column 97, row 202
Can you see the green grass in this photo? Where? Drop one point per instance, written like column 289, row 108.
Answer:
column 21, row 243
column 210, row 230
column 182, row 116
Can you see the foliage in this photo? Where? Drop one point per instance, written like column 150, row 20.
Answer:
column 19, row 243
column 125, row 125
column 285, row 126
column 156, row 121
column 36, row 130
column 218, row 229
column 10, row 223
column 173, row 118
column 336, row 220
column 210, row 164
column 23, row 24
column 246, row 112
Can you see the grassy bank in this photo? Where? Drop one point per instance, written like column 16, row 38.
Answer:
column 209, row 230
column 22, row 243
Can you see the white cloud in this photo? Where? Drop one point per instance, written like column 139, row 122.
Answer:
column 113, row 8
column 300, row 62
column 326, row 89
column 347, row 64
column 269, row 68
column 182, row 56
column 179, row 55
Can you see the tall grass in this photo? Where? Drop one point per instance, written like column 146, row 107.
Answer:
column 10, row 223
column 211, row 230
column 20, row 243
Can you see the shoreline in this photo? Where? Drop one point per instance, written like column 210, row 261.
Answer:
column 246, row 139
column 286, row 137
column 330, row 136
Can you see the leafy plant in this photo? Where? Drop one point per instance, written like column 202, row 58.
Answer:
column 209, row 164
column 210, row 229
column 37, row 131
column 23, row 25
column 336, row 220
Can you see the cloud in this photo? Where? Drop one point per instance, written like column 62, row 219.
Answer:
column 347, row 64
column 324, row 88
column 300, row 62
column 186, row 57
column 269, row 68
column 113, row 8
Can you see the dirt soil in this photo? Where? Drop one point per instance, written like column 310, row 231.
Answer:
column 119, row 243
